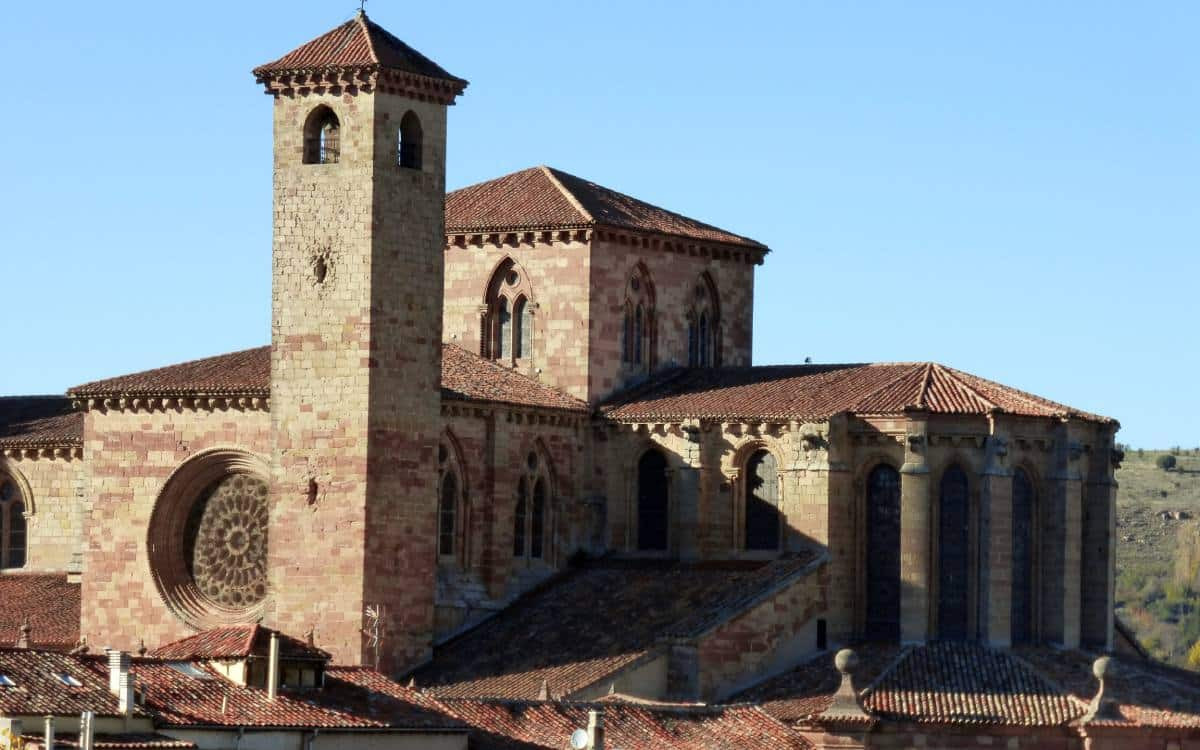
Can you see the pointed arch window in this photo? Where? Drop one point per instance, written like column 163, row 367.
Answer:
column 883, row 554
column 532, row 518
column 637, row 349
column 451, row 503
column 704, row 324
column 507, row 324
column 322, row 137
column 954, row 563
column 763, row 524
column 12, row 525
column 1024, row 544
column 409, row 147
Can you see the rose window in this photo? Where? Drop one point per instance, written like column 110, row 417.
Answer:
column 227, row 542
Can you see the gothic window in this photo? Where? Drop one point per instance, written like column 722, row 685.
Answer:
column 883, row 554
column 322, row 136
column 450, row 495
column 638, row 329
column 704, row 325
column 954, row 530
column 1023, row 546
column 507, row 322
column 12, row 525
column 762, row 515
column 531, row 522
column 652, row 502
column 410, row 141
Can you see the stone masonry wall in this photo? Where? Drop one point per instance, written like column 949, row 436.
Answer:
column 53, row 491
column 129, row 456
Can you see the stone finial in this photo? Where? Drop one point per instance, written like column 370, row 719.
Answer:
column 544, row 691
column 141, row 649
column 81, row 647
column 845, row 700
column 26, row 629
column 310, row 637
column 1103, row 706
column 412, row 683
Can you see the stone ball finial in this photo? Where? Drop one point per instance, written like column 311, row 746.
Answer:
column 846, row 661
column 1103, row 667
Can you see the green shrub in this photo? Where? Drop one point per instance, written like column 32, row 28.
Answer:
column 1166, row 462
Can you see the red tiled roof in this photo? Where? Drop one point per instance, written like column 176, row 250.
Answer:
column 244, row 373
column 1146, row 693
column 547, row 198
column 465, row 376
column 48, row 600
column 595, row 621
column 236, row 642
column 358, row 43
column 966, row 683
column 513, row 725
column 38, row 690
column 115, row 741
column 352, row 698
column 39, row 421
column 821, row 391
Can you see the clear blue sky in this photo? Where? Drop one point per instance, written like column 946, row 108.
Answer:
column 1007, row 188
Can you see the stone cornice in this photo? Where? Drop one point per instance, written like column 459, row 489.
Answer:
column 505, row 237
column 253, row 401
column 44, row 450
column 515, row 413
column 359, row 78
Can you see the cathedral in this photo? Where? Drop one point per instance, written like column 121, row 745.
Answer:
column 509, row 442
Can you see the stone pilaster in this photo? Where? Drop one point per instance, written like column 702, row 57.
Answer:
column 1099, row 548
column 995, row 547
column 686, row 487
column 1062, row 538
column 915, row 520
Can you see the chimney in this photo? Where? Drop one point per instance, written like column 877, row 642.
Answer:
column 87, row 731
column 125, row 698
column 48, row 739
column 596, row 729
column 273, row 667
column 118, row 665
column 23, row 639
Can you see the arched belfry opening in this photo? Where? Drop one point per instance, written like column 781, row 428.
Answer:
column 322, row 137
column 653, row 502
column 883, row 554
column 763, row 522
column 410, row 143
column 954, row 562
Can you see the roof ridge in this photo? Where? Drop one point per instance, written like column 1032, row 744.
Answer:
column 251, row 636
column 361, row 18
column 954, row 375
column 571, row 197
column 926, row 376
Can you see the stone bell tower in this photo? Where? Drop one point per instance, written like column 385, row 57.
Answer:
column 356, row 320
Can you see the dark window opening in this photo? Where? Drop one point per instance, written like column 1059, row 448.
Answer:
column 503, row 329
column 822, row 635
column 410, row 141
column 519, row 520
column 953, row 554
column 322, row 137
column 446, row 515
column 537, row 526
column 883, row 554
column 762, row 502
column 639, row 329
column 652, row 502
column 1023, row 545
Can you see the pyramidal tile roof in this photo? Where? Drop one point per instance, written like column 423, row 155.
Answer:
column 358, row 43
column 236, row 642
column 547, row 198
column 821, row 391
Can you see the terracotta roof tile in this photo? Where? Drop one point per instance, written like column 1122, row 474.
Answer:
column 513, row 725
column 465, row 376
column 821, row 391
column 39, row 421
column 236, row 642
column 48, row 600
column 547, row 198
column 809, row 688
column 358, row 43
column 115, row 741
column 595, row 621
column 37, row 689
column 967, row 683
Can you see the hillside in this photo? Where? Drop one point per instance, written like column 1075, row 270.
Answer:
column 1158, row 552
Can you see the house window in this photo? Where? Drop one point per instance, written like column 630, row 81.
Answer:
column 507, row 325
column 704, row 324
column 954, row 544
column 410, row 141
column 1024, row 542
column 653, row 503
column 762, row 517
column 12, row 525
column 322, row 137
column 531, row 521
column 637, row 347
column 883, row 554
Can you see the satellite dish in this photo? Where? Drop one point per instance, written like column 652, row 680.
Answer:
column 580, row 739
